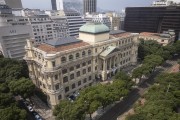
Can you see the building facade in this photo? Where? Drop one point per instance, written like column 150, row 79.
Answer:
column 13, row 33
column 115, row 20
column 90, row 6
column 75, row 21
column 166, row 3
column 153, row 19
column 44, row 26
column 14, row 3
column 62, row 67
column 60, row 27
column 99, row 18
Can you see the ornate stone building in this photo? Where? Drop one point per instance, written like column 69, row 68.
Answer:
column 61, row 68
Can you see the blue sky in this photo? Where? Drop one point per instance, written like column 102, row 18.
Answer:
column 116, row 5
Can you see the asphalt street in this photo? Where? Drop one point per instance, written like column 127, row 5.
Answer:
column 134, row 95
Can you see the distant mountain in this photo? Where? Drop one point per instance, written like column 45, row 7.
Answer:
column 74, row 5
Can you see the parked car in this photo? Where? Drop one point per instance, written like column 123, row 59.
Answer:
column 30, row 108
column 26, row 103
column 37, row 116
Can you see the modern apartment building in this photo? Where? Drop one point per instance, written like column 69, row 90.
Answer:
column 90, row 6
column 57, row 4
column 99, row 18
column 13, row 33
column 153, row 19
column 64, row 66
column 42, row 28
column 165, row 38
column 115, row 20
column 75, row 21
column 166, row 3
column 60, row 27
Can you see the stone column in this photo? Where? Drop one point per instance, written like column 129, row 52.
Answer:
column 104, row 73
column 110, row 62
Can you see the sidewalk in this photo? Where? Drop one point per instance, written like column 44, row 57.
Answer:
column 40, row 107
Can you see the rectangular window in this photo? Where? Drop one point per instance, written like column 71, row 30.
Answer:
column 84, row 71
column 78, row 66
column 89, row 62
column 90, row 78
column 89, row 69
column 85, row 80
column 53, row 63
column 71, row 76
column 84, row 64
column 65, row 79
column 59, row 97
column 57, row 86
column 79, row 83
column 73, row 86
column 66, row 89
column 78, row 74
column 56, row 77
column 96, row 68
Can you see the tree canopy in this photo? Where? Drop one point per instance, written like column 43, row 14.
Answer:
column 149, row 47
column 11, row 69
column 23, row 86
column 13, row 80
column 93, row 97
column 161, row 100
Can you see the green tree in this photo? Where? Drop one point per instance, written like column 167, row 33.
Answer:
column 6, row 100
column 24, row 87
column 124, row 77
column 11, row 69
column 62, row 111
column 4, row 88
column 13, row 113
column 177, row 46
column 160, row 100
column 148, row 47
column 153, row 60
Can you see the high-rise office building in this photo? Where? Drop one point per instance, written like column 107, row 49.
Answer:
column 14, row 3
column 153, row 19
column 14, row 30
column 57, row 4
column 90, row 6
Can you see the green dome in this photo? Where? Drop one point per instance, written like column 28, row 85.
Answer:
column 94, row 28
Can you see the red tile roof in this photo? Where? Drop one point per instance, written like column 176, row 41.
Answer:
column 51, row 49
column 149, row 34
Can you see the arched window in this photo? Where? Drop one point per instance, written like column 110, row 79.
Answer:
column 77, row 55
column 71, row 57
column 83, row 53
column 89, row 52
column 63, row 59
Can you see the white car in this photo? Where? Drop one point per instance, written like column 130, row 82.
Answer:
column 30, row 109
